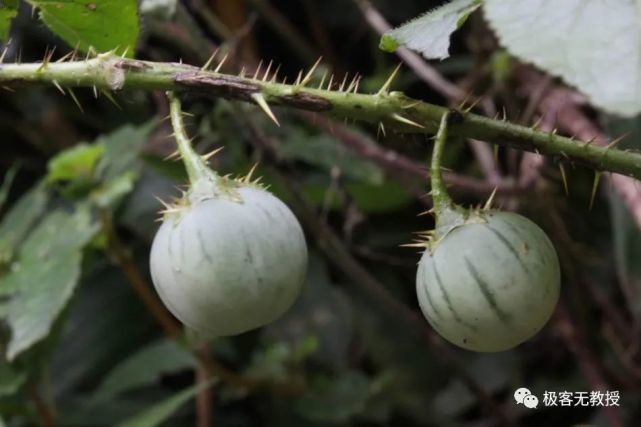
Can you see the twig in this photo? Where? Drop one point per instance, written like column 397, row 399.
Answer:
column 45, row 413
column 395, row 111
column 563, row 103
column 396, row 163
column 204, row 400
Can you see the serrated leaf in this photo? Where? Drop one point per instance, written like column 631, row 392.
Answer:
column 430, row 33
column 41, row 281
column 103, row 25
column 145, row 368
column 8, row 11
column 592, row 44
column 163, row 410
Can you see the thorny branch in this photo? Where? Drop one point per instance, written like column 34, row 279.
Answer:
column 391, row 110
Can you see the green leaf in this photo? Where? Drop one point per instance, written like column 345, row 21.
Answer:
column 103, row 25
column 8, row 11
column 430, row 33
column 41, row 281
column 122, row 150
column 162, row 411
column 75, row 164
column 145, row 368
column 592, row 44
column 119, row 167
column 19, row 220
column 10, row 380
column 114, row 190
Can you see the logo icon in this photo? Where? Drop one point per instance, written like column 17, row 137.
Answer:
column 524, row 396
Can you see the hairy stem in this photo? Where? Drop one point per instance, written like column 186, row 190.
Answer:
column 196, row 167
column 441, row 198
column 391, row 110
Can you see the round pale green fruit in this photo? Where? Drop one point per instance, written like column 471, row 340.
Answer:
column 231, row 263
column 490, row 284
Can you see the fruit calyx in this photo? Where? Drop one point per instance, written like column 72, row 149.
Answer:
column 205, row 183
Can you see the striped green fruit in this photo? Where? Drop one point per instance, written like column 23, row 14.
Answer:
column 491, row 283
column 230, row 261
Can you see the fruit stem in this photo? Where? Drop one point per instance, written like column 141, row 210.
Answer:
column 440, row 196
column 196, row 167
column 448, row 214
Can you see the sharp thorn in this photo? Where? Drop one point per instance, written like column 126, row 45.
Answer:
column 262, row 103
column 616, row 141
column 221, row 63
column 343, row 83
column 173, row 156
column 490, row 200
column 472, row 105
column 273, row 80
column 564, row 178
column 110, row 97
column 257, row 71
column 310, row 73
column 352, row 84
column 388, row 83
column 269, row 68
column 595, row 186
column 209, row 61
column 407, row 121
column 57, row 85
column 64, row 58
column 537, row 122
column 322, row 82
column 211, row 154
column 381, row 127
column 75, row 99
column 249, row 175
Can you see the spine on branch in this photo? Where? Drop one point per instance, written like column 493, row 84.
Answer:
column 391, row 111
